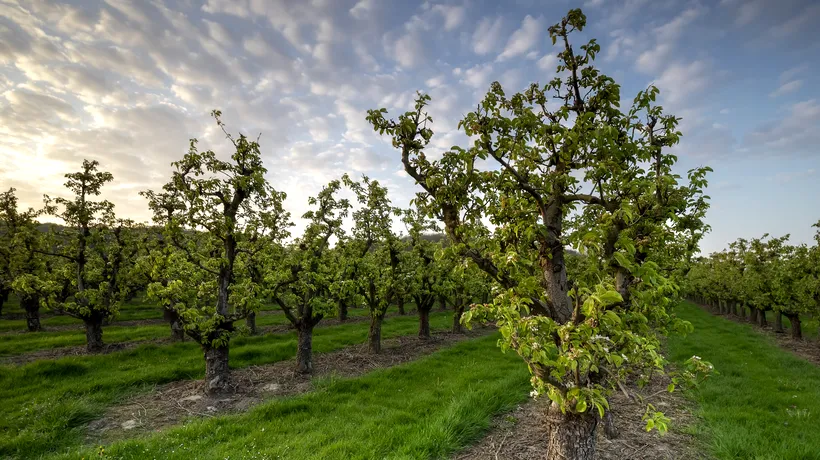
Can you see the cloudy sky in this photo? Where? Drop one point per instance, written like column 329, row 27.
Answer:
column 129, row 82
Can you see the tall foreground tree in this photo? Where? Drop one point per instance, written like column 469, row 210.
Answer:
column 217, row 208
column 580, row 336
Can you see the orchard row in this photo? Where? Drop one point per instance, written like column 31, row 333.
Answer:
column 760, row 275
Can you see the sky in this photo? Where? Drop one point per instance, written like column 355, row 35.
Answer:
column 128, row 83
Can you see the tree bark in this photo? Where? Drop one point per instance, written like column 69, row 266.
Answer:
column 342, row 310
column 753, row 315
column 32, row 307
column 375, row 335
column 304, row 351
column 93, row 334
column 459, row 310
column 177, row 331
column 761, row 318
column 797, row 328
column 570, row 436
column 217, row 372
column 402, row 311
column 778, row 322
column 610, row 430
column 4, row 297
column 742, row 309
column 250, row 322
column 424, row 323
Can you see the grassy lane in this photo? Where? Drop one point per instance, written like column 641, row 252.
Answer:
column 135, row 309
column 425, row 409
column 765, row 404
column 47, row 404
column 18, row 343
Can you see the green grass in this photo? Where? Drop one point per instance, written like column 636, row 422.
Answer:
column 133, row 310
column 46, row 404
column 764, row 404
column 12, row 342
column 424, row 409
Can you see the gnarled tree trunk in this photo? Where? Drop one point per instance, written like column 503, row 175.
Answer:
column 761, row 318
column 400, row 302
column 374, row 337
column 459, row 310
column 797, row 328
column 424, row 323
column 250, row 322
column 177, row 331
column 32, row 307
column 4, row 297
column 570, row 436
column 742, row 309
column 217, row 372
column 304, row 350
column 778, row 322
column 93, row 334
column 753, row 315
column 342, row 310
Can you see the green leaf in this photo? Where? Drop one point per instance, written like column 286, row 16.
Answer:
column 581, row 406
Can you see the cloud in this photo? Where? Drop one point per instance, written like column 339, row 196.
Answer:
column 487, row 35
column 786, row 88
column 748, row 12
column 796, row 133
column 791, row 73
column 408, row 50
column 453, row 15
column 680, row 81
column 435, row 81
column 548, row 63
column 523, row 39
column 787, row 177
column 703, row 140
column 478, row 76
column 665, row 39
column 362, row 9
column 809, row 15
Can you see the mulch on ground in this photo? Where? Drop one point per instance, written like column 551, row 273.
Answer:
column 174, row 403
column 521, row 434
